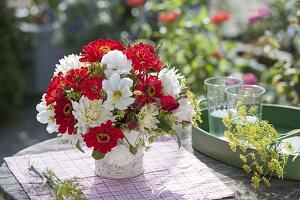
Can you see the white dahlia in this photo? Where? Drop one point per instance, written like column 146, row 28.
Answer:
column 90, row 113
column 118, row 92
column 116, row 62
column 170, row 81
column 46, row 116
column 147, row 117
column 185, row 111
column 67, row 63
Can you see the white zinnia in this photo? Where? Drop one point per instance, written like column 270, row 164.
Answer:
column 185, row 111
column 170, row 82
column 46, row 116
column 71, row 139
column 67, row 63
column 147, row 117
column 118, row 92
column 116, row 62
column 90, row 113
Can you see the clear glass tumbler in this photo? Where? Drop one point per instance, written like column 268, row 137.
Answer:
column 216, row 100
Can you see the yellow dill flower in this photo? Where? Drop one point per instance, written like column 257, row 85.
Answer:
column 246, row 168
column 253, row 110
column 253, row 156
column 259, row 169
column 255, row 180
column 288, row 147
column 227, row 121
column 243, row 158
column 242, row 112
column 232, row 146
column 266, row 182
column 243, row 148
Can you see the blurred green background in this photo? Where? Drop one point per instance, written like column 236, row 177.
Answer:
column 258, row 41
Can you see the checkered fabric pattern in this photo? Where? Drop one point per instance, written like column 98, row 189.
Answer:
column 169, row 174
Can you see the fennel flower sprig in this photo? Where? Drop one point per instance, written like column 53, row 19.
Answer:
column 263, row 150
column 62, row 189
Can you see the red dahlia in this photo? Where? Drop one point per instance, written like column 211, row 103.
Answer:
column 150, row 89
column 168, row 103
column 94, row 51
column 63, row 116
column 75, row 78
column 92, row 87
column 54, row 91
column 220, row 17
column 103, row 138
column 143, row 57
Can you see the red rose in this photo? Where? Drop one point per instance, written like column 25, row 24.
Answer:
column 54, row 91
column 75, row 78
column 103, row 138
column 143, row 57
column 169, row 16
column 135, row 2
column 92, row 87
column 220, row 17
column 63, row 116
column 168, row 103
column 94, row 51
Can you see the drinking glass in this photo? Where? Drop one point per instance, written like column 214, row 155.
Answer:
column 217, row 104
column 249, row 96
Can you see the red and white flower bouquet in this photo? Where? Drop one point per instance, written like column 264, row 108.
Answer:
column 117, row 100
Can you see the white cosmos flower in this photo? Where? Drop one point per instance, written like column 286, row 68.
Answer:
column 118, row 92
column 185, row 111
column 170, row 82
column 67, row 63
column 72, row 139
column 46, row 116
column 147, row 117
column 116, row 62
column 90, row 113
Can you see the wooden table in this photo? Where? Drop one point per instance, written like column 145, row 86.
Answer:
column 234, row 178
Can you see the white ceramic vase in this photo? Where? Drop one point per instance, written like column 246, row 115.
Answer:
column 111, row 171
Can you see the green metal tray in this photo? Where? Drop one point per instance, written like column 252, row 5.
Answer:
column 284, row 118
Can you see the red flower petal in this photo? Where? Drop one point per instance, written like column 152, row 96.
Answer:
column 168, row 103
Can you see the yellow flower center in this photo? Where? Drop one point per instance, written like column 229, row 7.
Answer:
column 150, row 91
column 117, row 94
column 104, row 49
column 68, row 110
column 103, row 137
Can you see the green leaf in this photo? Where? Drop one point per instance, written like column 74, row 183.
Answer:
column 79, row 147
column 178, row 139
column 130, row 116
column 97, row 155
column 167, row 128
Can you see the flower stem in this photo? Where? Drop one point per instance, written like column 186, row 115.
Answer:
column 290, row 134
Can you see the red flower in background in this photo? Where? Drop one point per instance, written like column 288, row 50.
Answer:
column 103, row 138
column 143, row 57
column 63, row 116
column 169, row 16
column 220, row 17
column 92, row 87
column 54, row 91
column 94, row 51
column 249, row 79
column 150, row 88
column 75, row 78
column 168, row 103
column 135, row 2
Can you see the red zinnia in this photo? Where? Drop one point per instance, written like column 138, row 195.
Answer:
column 168, row 103
column 135, row 2
column 54, row 91
column 150, row 89
column 94, row 51
column 92, row 87
column 63, row 116
column 103, row 138
column 220, row 17
column 75, row 78
column 143, row 57
column 169, row 16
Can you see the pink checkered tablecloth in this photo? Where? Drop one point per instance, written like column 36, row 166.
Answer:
column 169, row 174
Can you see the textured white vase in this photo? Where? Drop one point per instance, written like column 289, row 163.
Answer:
column 111, row 171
